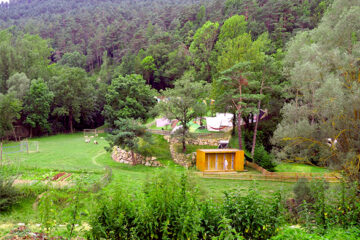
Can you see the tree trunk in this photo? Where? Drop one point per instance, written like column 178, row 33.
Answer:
column 239, row 118
column 234, row 125
column 133, row 158
column 239, row 131
column 14, row 134
column 257, row 121
column 71, row 123
column 183, row 145
column 184, row 126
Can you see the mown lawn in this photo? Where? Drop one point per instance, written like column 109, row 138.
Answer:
column 87, row 161
column 300, row 168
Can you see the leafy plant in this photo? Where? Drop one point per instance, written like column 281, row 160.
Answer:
column 8, row 194
column 252, row 215
column 227, row 232
column 172, row 209
column 48, row 211
column 211, row 213
column 116, row 217
column 263, row 158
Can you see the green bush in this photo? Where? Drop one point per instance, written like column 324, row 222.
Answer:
column 333, row 234
column 226, row 231
column 295, row 234
column 8, row 193
column 346, row 210
column 116, row 217
column 166, row 208
column 320, row 210
column 171, row 207
column 211, row 213
column 302, row 191
column 263, row 158
column 253, row 215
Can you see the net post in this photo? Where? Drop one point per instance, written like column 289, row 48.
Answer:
column 1, row 153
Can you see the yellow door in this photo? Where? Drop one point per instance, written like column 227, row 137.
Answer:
column 221, row 161
column 212, row 159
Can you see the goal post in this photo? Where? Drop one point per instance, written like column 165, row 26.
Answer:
column 90, row 132
column 29, row 146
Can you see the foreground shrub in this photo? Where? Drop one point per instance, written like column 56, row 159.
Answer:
column 115, row 218
column 253, row 216
column 211, row 216
column 166, row 208
column 171, row 207
column 333, row 234
column 8, row 194
column 226, row 231
column 263, row 158
column 320, row 209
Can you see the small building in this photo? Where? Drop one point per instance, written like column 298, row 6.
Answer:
column 220, row 160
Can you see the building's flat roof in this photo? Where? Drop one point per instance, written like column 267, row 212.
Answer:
column 225, row 150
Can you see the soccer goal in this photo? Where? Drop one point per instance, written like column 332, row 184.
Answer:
column 90, row 132
column 29, row 146
column 11, row 154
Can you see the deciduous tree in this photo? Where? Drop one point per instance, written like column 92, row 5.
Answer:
column 128, row 97
column 184, row 102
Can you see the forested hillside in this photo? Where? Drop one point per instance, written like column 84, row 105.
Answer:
column 277, row 81
column 122, row 28
column 71, row 50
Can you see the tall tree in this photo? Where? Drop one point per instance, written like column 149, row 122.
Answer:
column 321, row 121
column 37, row 106
column 201, row 47
column 74, row 95
column 149, row 67
column 184, row 103
column 73, row 59
column 18, row 84
column 126, row 135
column 237, row 63
column 10, row 108
column 128, row 97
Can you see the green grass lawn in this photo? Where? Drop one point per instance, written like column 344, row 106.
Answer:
column 86, row 161
column 300, row 168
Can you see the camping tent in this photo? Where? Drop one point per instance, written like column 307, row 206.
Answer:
column 220, row 122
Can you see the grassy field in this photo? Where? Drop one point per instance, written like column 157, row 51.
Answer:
column 300, row 168
column 86, row 162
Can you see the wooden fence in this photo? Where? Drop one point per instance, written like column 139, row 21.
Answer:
column 270, row 176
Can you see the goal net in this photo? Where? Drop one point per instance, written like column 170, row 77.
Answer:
column 29, row 146
column 11, row 154
column 90, row 132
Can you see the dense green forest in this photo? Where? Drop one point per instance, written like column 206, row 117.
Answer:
column 121, row 64
column 77, row 64
column 100, row 40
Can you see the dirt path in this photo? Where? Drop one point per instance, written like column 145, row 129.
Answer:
column 93, row 159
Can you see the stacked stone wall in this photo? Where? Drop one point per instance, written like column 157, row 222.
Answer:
column 123, row 156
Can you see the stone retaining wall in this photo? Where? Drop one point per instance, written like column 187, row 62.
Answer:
column 198, row 141
column 186, row 160
column 122, row 156
column 189, row 160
